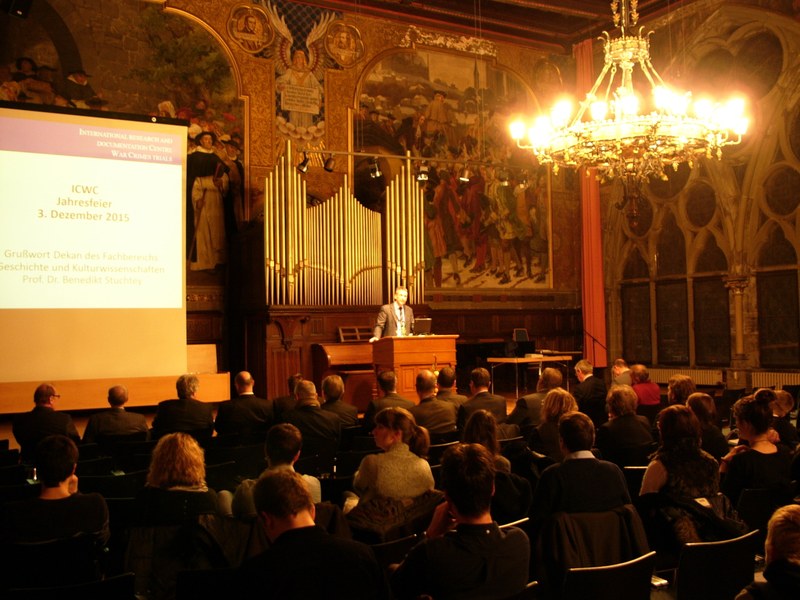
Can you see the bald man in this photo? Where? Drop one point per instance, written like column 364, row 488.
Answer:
column 246, row 415
column 114, row 420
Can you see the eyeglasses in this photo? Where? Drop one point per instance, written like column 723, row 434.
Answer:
column 55, row 395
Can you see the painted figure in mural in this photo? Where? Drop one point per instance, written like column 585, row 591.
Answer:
column 300, row 90
column 437, row 122
column 207, row 178
column 300, row 71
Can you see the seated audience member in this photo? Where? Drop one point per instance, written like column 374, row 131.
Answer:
column 481, row 398
column 647, row 392
column 332, row 391
column 437, row 416
column 177, row 475
column 320, row 428
column 282, row 449
column 782, row 559
column 626, row 433
column 679, row 388
column 303, row 560
column 387, row 388
column 712, row 440
column 528, row 410
column 400, row 471
column 60, row 511
column 465, row 554
column 781, row 407
column 283, row 404
column 187, row 413
column 115, row 420
column 590, row 393
column 481, row 428
column 680, row 472
column 545, row 439
column 620, row 373
column 756, row 462
column 32, row 427
column 247, row 415
column 581, row 483
column 512, row 497
column 446, row 384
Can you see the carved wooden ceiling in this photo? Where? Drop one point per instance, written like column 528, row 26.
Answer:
column 554, row 25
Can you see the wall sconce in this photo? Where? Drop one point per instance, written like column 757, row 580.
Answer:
column 465, row 175
column 330, row 164
column 303, row 166
column 374, row 169
column 422, row 174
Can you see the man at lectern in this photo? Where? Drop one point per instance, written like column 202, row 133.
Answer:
column 395, row 318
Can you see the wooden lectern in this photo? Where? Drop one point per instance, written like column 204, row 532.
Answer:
column 407, row 356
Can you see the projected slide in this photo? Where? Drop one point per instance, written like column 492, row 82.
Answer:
column 92, row 246
column 83, row 220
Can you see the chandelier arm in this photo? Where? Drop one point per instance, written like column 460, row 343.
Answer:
column 593, row 93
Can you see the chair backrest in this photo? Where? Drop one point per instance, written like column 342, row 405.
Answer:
column 108, row 443
column 570, row 540
column 118, row 587
column 102, row 465
column 206, row 583
column 633, row 477
column 9, row 457
column 633, row 456
column 114, row 486
column 389, row 553
column 363, row 442
column 68, row 561
column 716, row 570
column 436, row 451
column 20, row 491
column 222, row 476
column 623, row 581
column 522, row 523
column 347, row 463
column 756, row 505
column 529, row 592
column 13, row 474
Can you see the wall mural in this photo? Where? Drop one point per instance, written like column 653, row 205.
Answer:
column 488, row 210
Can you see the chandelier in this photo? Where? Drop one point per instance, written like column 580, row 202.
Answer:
column 614, row 133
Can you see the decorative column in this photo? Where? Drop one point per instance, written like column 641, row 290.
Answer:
column 736, row 378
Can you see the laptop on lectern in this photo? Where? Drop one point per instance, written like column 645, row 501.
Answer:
column 422, row 326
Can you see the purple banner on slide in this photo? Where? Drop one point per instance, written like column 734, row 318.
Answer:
column 93, row 141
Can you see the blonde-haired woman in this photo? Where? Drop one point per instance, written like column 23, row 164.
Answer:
column 544, row 439
column 177, row 465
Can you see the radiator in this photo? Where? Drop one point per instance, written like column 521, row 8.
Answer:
column 699, row 376
column 774, row 379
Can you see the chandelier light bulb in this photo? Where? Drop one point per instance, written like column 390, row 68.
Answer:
column 598, row 110
column 561, row 113
column 517, row 129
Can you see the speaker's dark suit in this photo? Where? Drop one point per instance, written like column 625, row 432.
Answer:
column 183, row 415
column 591, row 397
column 486, row 401
column 386, row 324
column 32, row 427
column 246, row 415
column 113, row 421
